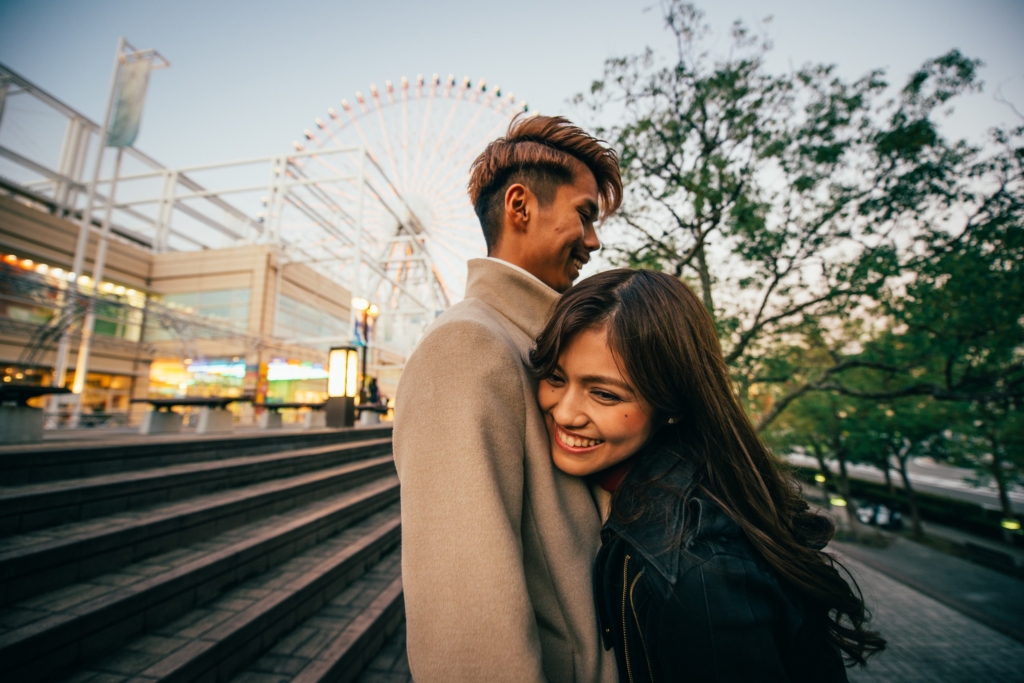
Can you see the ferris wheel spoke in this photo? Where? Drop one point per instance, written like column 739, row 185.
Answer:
column 359, row 129
column 441, row 135
column 454, row 265
column 457, row 238
column 423, row 130
column 438, row 248
column 384, row 130
column 405, row 132
column 451, row 152
column 473, row 150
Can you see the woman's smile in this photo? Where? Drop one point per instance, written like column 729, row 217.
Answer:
column 575, row 443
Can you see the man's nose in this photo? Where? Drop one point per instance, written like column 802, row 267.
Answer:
column 590, row 239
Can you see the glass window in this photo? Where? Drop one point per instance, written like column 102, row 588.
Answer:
column 297, row 319
column 225, row 306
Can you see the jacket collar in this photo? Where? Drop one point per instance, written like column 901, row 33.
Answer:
column 658, row 532
column 517, row 295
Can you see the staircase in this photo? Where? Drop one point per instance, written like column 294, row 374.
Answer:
column 270, row 557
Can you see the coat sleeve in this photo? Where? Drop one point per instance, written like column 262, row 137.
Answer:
column 459, row 448
column 722, row 612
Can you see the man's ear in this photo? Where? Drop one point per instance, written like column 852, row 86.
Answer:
column 517, row 207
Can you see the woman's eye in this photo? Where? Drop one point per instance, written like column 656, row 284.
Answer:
column 606, row 395
column 555, row 379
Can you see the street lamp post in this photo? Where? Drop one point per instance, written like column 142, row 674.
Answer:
column 366, row 312
column 342, row 386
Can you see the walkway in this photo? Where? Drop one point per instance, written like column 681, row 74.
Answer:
column 930, row 642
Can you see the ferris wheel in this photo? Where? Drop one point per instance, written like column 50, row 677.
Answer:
column 420, row 138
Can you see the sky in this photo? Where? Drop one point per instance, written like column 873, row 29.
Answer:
column 247, row 77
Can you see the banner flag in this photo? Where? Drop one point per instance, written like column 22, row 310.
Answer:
column 131, row 94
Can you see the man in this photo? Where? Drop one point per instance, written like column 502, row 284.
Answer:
column 497, row 545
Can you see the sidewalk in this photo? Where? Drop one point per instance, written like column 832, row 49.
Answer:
column 928, row 641
column 983, row 594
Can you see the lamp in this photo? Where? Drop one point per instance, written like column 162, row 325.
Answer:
column 342, row 386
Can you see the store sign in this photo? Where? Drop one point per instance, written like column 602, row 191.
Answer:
column 223, row 368
column 279, row 371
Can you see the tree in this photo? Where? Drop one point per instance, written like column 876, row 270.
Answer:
column 902, row 430
column 781, row 197
column 990, row 437
column 827, row 426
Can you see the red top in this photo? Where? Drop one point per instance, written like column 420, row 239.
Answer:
column 611, row 478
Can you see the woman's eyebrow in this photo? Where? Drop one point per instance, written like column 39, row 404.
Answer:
column 604, row 379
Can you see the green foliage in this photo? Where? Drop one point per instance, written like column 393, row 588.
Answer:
column 848, row 252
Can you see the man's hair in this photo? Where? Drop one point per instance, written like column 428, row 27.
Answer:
column 542, row 153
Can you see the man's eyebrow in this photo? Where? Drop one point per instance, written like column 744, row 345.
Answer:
column 603, row 379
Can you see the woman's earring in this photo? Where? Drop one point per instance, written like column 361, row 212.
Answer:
column 673, row 420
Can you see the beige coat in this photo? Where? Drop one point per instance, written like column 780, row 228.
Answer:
column 497, row 544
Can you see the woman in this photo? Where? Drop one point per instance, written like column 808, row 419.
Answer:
column 711, row 566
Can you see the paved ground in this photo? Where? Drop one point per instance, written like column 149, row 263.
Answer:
column 988, row 596
column 929, row 642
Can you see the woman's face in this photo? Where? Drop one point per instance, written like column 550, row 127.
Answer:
column 594, row 417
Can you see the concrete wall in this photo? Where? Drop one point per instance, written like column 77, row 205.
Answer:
column 29, row 232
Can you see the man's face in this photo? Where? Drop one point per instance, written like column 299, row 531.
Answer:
column 563, row 236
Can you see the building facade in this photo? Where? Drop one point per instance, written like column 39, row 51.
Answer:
column 214, row 322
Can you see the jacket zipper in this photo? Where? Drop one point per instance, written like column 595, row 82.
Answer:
column 625, row 593
column 636, row 619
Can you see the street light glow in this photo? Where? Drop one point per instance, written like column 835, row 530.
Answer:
column 360, row 304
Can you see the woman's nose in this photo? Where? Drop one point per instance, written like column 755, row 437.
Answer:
column 568, row 413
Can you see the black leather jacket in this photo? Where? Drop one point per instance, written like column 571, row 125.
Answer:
column 705, row 608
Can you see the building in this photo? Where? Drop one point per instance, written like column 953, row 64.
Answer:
column 228, row 316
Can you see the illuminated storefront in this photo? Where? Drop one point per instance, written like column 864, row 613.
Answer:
column 293, row 381
column 288, row 380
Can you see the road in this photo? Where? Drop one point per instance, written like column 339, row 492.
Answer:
column 929, row 477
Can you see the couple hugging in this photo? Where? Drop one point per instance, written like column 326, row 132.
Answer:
column 583, row 497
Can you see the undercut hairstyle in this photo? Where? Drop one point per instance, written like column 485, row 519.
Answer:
column 541, row 153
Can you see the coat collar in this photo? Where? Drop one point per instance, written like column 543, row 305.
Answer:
column 517, row 295
column 662, row 530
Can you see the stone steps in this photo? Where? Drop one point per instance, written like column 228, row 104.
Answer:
column 53, row 461
column 199, row 558
column 336, row 601
column 41, row 505
column 43, row 561
column 343, row 637
column 61, row 629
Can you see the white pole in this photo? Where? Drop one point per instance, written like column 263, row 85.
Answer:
column 356, row 286
column 82, row 366
column 61, row 366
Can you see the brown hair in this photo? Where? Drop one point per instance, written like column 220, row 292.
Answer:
column 667, row 344
column 541, row 152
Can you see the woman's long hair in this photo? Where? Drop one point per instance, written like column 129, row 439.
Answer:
column 668, row 347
